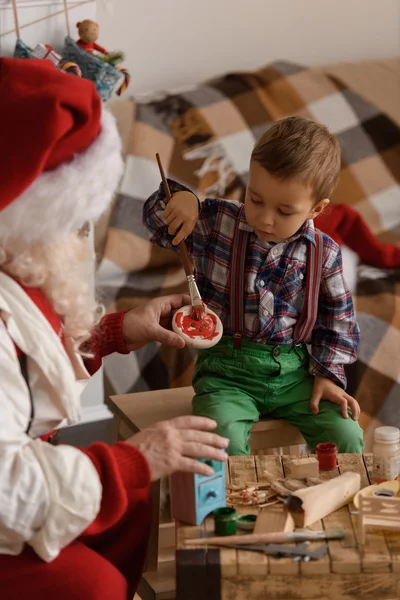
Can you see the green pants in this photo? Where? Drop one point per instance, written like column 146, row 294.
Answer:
column 236, row 387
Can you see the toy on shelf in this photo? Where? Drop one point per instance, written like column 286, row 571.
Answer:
column 88, row 32
column 88, row 35
column 46, row 52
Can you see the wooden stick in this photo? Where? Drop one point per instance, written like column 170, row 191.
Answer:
column 183, row 251
column 275, row 537
column 17, row 30
column 16, row 20
column 66, row 18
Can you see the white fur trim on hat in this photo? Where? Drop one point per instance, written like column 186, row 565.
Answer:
column 61, row 200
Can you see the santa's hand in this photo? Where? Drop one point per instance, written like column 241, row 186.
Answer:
column 151, row 322
column 174, row 445
column 325, row 389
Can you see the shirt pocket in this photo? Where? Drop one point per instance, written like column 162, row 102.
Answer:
column 293, row 287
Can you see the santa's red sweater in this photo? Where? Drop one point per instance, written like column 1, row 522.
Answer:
column 347, row 227
column 121, row 467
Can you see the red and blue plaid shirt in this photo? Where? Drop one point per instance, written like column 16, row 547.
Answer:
column 275, row 286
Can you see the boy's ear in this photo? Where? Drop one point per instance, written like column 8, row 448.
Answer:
column 318, row 208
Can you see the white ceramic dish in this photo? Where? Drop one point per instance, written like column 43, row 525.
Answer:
column 196, row 333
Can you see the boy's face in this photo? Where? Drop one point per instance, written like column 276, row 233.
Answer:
column 275, row 208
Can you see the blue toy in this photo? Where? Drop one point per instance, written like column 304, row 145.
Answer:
column 193, row 497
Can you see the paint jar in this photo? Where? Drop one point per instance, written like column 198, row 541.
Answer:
column 326, row 454
column 225, row 521
column 386, row 453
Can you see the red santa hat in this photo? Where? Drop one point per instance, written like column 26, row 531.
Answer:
column 347, row 227
column 60, row 153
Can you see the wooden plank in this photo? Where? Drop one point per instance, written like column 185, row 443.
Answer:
column 242, row 469
column 273, row 464
column 227, row 556
column 392, row 537
column 376, row 557
column 344, row 555
column 361, row 586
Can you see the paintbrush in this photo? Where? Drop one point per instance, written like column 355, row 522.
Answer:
column 195, row 298
column 278, row 537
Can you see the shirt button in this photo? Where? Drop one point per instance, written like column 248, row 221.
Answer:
column 265, row 312
column 275, row 251
column 301, row 276
column 262, row 282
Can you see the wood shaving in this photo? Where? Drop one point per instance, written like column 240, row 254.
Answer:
column 264, row 494
column 293, row 484
column 280, row 489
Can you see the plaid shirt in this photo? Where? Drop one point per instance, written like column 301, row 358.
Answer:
column 275, row 286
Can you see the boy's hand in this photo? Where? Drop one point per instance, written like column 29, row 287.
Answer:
column 325, row 389
column 181, row 215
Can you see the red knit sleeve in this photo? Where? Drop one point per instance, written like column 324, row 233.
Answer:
column 99, row 48
column 106, row 338
column 122, row 469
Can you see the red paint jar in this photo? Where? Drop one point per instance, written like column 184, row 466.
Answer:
column 326, row 454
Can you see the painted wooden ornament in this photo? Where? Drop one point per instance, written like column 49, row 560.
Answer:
column 201, row 334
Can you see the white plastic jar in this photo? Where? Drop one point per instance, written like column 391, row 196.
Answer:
column 386, row 453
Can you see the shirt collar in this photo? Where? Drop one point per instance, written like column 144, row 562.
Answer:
column 307, row 230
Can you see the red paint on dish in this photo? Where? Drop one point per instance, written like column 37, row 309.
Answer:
column 205, row 328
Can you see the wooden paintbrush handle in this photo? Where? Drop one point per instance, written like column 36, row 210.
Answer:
column 183, row 251
column 278, row 537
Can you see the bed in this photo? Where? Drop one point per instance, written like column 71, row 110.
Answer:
column 204, row 136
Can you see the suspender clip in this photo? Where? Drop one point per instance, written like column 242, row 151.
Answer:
column 237, row 341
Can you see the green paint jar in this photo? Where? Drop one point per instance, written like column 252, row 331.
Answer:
column 225, row 521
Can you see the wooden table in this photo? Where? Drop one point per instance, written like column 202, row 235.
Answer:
column 226, row 574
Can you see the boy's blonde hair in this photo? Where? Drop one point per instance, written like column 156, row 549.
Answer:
column 301, row 149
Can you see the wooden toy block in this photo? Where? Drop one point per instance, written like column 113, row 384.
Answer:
column 270, row 520
column 301, row 468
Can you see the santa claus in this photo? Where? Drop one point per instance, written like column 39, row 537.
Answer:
column 74, row 523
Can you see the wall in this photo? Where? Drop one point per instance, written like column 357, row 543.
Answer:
column 173, row 43
column 51, row 31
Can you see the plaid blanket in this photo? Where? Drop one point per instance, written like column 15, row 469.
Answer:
column 205, row 137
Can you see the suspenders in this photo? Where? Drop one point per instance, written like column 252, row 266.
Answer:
column 306, row 322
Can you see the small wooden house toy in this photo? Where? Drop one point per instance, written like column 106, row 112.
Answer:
column 194, row 496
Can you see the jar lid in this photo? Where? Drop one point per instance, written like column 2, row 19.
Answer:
column 387, row 434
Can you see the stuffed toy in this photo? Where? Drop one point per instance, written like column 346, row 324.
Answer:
column 88, row 35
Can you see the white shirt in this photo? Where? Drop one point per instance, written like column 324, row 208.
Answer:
column 48, row 494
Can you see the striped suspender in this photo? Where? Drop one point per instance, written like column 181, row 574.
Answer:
column 237, row 283
column 308, row 317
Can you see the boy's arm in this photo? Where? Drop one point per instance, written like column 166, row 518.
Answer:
column 336, row 334
column 155, row 224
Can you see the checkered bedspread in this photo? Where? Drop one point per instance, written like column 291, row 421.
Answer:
column 205, row 137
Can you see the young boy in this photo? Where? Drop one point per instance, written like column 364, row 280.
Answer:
column 278, row 287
